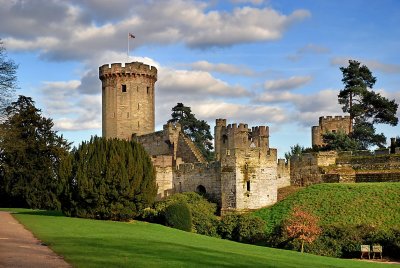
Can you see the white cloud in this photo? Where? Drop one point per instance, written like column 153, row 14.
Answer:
column 195, row 83
column 304, row 108
column 60, row 30
column 222, row 68
column 287, row 84
column 69, row 109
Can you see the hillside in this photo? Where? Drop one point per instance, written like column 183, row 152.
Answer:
column 376, row 204
column 93, row 243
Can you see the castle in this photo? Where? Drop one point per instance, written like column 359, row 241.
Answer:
column 329, row 124
column 246, row 172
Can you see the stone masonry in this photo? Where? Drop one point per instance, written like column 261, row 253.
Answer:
column 329, row 124
column 127, row 99
column 246, row 173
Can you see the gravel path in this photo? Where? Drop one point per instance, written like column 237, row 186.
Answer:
column 19, row 248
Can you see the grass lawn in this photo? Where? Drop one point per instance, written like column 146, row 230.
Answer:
column 376, row 204
column 91, row 243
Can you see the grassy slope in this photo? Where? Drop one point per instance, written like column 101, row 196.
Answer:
column 90, row 243
column 357, row 203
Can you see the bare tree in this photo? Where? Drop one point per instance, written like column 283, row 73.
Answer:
column 8, row 79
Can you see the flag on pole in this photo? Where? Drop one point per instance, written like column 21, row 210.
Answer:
column 131, row 35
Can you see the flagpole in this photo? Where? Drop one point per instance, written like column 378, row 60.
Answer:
column 129, row 37
column 127, row 53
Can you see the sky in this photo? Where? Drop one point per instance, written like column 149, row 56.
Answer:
column 260, row 62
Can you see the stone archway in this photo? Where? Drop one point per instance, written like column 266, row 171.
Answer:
column 201, row 189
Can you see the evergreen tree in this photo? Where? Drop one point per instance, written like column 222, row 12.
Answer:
column 340, row 141
column 197, row 130
column 108, row 179
column 365, row 106
column 30, row 156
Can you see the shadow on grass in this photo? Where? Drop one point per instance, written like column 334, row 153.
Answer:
column 40, row 213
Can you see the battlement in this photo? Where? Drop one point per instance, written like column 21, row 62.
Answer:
column 130, row 69
column 323, row 119
column 238, row 128
column 260, row 131
column 220, row 122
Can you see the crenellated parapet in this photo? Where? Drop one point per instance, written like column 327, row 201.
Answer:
column 130, row 69
column 239, row 136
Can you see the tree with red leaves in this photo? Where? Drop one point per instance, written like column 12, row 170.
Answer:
column 303, row 226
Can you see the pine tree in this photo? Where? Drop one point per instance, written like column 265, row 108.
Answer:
column 30, row 156
column 197, row 130
column 109, row 179
column 365, row 106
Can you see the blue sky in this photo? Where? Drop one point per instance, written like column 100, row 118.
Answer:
column 272, row 62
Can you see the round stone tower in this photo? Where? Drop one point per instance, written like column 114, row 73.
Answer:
column 127, row 99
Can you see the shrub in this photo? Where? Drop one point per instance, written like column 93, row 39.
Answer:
column 228, row 225
column 177, row 215
column 108, row 179
column 203, row 212
column 251, row 229
column 242, row 228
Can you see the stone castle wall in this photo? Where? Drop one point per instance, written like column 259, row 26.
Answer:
column 344, row 167
column 283, row 174
column 199, row 177
column 248, row 179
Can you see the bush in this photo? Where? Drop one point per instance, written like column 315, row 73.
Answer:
column 203, row 212
column 228, row 225
column 177, row 215
column 242, row 228
column 108, row 179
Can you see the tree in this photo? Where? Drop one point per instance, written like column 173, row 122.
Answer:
column 365, row 106
column 302, row 226
column 109, row 179
column 8, row 79
column 340, row 141
column 294, row 150
column 30, row 155
column 197, row 130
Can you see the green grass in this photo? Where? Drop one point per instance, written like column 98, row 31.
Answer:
column 91, row 243
column 376, row 204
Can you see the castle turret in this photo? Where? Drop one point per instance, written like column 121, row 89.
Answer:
column 127, row 99
column 218, row 139
column 329, row 124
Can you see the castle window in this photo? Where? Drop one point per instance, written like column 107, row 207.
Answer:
column 138, row 125
column 248, row 186
column 127, row 115
column 224, row 139
column 148, row 90
column 228, row 152
column 123, row 87
column 138, row 106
